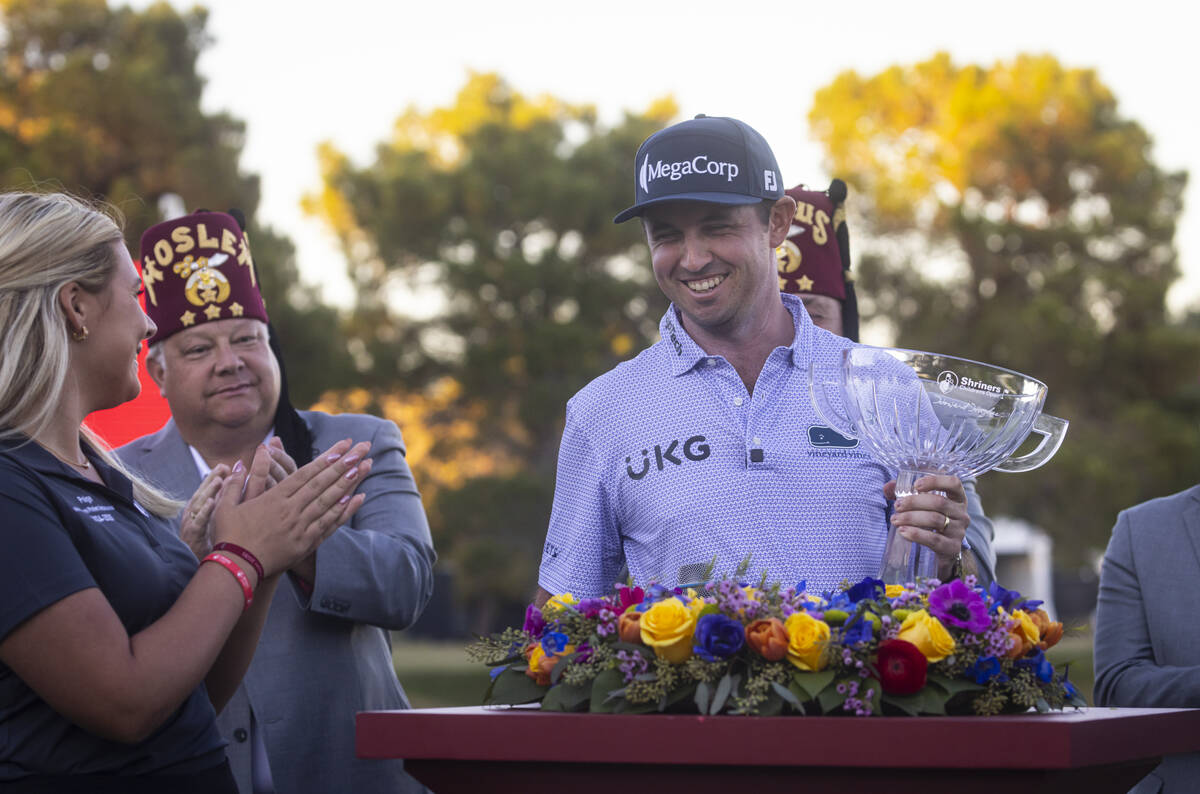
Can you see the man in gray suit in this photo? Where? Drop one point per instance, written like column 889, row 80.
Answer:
column 325, row 651
column 1147, row 651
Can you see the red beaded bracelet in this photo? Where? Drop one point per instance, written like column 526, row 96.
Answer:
column 233, row 568
column 245, row 555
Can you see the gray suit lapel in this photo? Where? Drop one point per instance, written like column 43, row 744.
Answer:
column 1191, row 521
column 168, row 464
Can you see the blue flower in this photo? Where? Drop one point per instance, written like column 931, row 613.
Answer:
column 718, row 637
column 1069, row 689
column 554, row 642
column 1040, row 665
column 858, row 630
column 867, row 588
column 985, row 669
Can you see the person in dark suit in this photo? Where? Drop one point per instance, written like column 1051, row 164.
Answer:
column 325, row 652
column 1146, row 651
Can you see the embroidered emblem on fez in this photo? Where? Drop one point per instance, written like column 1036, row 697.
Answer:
column 198, row 269
column 804, row 284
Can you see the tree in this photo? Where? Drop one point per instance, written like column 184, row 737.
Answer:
column 1015, row 217
column 106, row 103
column 500, row 207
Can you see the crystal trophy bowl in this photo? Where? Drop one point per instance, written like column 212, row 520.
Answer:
column 927, row 413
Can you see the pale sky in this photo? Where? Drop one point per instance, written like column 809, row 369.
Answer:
column 304, row 71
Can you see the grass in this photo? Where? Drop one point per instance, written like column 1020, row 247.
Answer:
column 1075, row 649
column 437, row 674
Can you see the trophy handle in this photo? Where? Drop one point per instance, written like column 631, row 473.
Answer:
column 1052, row 430
column 829, row 415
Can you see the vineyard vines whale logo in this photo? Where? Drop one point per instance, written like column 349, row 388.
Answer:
column 947, row 381
column 819, row 436
column 700, row 164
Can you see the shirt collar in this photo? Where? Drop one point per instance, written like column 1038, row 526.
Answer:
column 25, row 451
column 685, row 354
column 202, row 465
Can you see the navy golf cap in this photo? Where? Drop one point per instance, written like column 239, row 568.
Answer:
column 708, row 158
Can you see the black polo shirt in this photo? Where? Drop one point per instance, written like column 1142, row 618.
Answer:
column 61, row 533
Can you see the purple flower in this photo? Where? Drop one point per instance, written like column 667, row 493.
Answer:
column 959, row 605
column 535, row 624
column 590, row 607
column 718, row 637
column 1010, row 599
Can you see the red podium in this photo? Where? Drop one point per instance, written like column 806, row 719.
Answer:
column 520, row 749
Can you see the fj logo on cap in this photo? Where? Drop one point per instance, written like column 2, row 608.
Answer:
column 700, row 164
column 769, row 180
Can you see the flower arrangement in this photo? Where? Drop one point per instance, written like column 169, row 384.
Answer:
column 731, row 648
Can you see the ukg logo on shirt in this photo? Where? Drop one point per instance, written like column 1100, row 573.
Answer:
column 700, row 164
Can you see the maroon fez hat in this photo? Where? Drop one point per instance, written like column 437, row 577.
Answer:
column 809, row 261
column 197, row 269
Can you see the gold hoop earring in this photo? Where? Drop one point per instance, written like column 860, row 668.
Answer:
column 80, row 335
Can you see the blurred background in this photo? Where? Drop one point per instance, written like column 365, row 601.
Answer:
column 430, row 192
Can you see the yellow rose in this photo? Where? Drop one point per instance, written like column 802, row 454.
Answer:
column 559, row 601
column 667, row 628
column 928, row 634
column 893, row 590
column 694, row 605
column 807, row 639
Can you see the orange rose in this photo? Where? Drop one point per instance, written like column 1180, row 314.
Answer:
column 1023, row 636
column 769, row 638
column 630, row 626
column 542, row 664
column 1049, row 631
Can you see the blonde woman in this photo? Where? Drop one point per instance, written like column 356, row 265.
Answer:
column 116, row 646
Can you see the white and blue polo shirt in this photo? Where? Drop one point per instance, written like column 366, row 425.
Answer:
column 666, row 461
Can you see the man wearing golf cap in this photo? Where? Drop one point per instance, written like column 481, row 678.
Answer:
column 325, row 652
column 814, row 265
column 706, row 444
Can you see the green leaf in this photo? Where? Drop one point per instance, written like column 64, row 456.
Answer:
column 801, row 695
column 1042, row 706
column 512, row 687
column 952, row 686
column 909, row 704
column 743, row 566
column 725, row 687
column 771, row 707
column 606, row 682
column 677, row 695
column 703, row 696
column 567, row 697
column 813, row 684
column 788, row 696
column 830, row 700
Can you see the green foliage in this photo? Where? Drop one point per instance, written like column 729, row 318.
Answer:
column 501, row 206
column 1045, row 206
column 105, row 102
